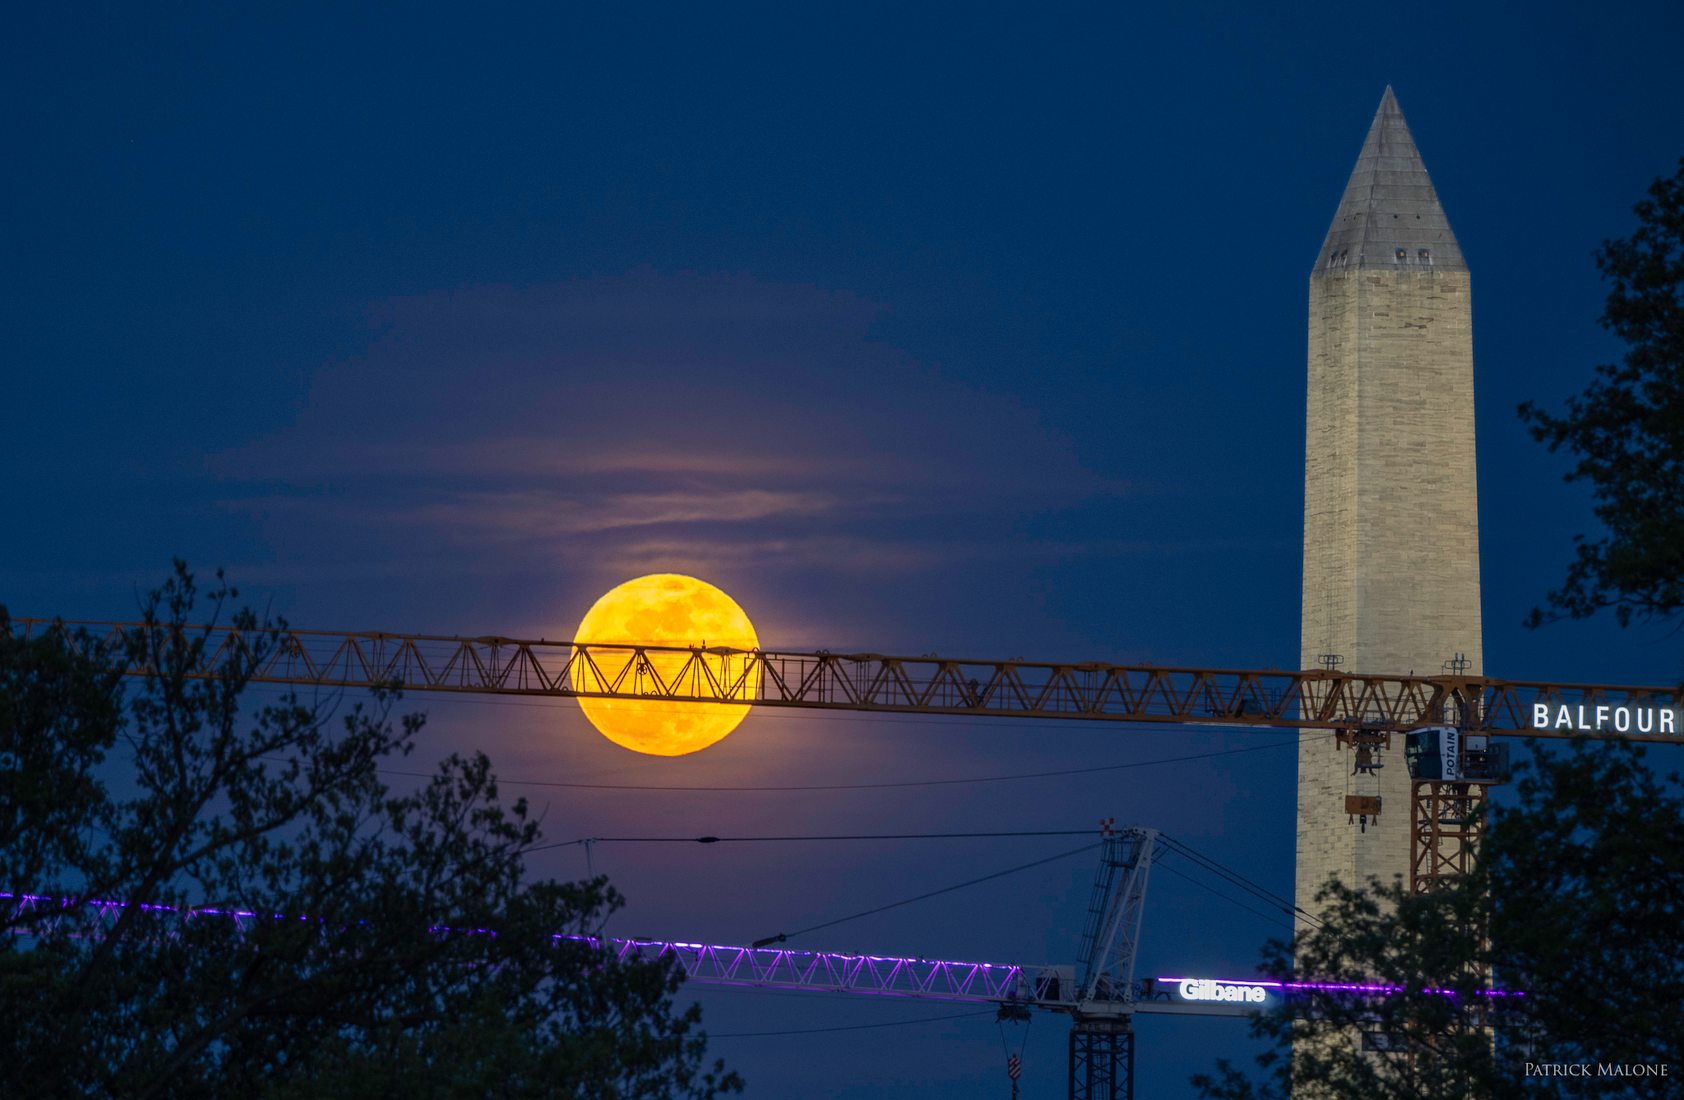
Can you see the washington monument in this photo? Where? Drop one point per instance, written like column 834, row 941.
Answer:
column 1391, row 528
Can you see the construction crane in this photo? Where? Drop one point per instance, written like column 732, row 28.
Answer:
column 1456, row 713
column 1087, row 691
column 1448, row 722
column 1099, row 993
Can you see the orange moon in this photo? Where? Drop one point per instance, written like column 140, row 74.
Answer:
column 667, row 609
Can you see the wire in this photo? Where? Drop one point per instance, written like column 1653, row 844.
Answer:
column 1250, row 886
column 850, row 1027
column 1028, row 1021
column 842, row 836
column 1272, row 918
column 824, row 713
column 783, row 936
column 1234, row 877
column 874, row 786
column 993, row 723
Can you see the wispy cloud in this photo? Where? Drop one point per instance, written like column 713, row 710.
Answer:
column 535, row 514
column 524, row 458
column 650, row 420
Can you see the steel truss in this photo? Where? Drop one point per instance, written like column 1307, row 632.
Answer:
column 1449, row 821
column 1101, row 1037
column 1112, row 933
column 1447, row 824
column 1101, row 1060
column 709, row 964
column 1308, row 699
column 885, row 975
column 1048, row 987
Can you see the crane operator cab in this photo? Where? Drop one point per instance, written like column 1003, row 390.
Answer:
column 1445, row 754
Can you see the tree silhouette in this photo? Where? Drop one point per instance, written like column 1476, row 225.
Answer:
column 394, row 945
column 1627, row 428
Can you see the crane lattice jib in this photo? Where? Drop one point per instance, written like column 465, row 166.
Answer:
column 1092, row 691
column 709, row 964
column 1112, row 932
column 1048, row 988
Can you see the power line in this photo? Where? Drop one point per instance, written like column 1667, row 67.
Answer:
column 783, row 936
column 850, row 1027
column 1234, row 877
column 655, row 706
column 993, row 723
column 1249, row 885
column 1272, row 918
column 785, row 713
column 837, row 836
column 1245, row 883
column 871, row 786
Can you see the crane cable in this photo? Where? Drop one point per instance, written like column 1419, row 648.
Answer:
column 1014, row 1062
column 1009, row 778
column 782, row 937
column 861, row 717
column 1229, row 898
column 588, row 840
column 1249, row 885
column 848, row 1027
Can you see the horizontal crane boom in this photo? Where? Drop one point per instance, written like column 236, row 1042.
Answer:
column 1042, row 987
column 1092, row 691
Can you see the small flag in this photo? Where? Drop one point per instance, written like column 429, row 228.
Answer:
column 1014, row 1067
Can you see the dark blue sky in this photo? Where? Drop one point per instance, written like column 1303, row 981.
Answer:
column 958, row 328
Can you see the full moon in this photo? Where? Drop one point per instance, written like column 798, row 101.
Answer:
column 666, row 609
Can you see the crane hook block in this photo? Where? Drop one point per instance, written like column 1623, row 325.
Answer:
column 1367, row 761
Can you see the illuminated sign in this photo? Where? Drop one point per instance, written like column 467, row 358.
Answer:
column 1204, row 989
column 1256, row 992
column 1606, row 718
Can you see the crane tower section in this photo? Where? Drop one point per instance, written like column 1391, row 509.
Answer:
column 1391, row 530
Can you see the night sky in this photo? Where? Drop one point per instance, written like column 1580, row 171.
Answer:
column 962, row 328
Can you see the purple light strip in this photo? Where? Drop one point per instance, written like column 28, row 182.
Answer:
column 729, row 964
column 1342, row 987
column 33, row 902
column 885, row 975
column 720, row 964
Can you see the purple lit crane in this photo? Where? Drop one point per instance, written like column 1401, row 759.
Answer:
column 1098, row 992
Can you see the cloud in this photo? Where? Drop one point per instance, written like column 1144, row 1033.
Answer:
column 517, row 457
column 652, row 421
column 536, row 514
